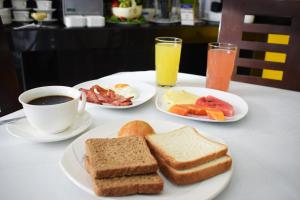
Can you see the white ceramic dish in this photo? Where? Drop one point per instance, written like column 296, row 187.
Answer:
column 72, row 165
column 74, row 21
column 44, row 5
column 95, row 21
column 19, row 4
column 22, row 129
column 23, row 21
column 239, row 104
column 146, row 91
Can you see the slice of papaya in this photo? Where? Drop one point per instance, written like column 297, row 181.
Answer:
column 215, row 114
column 179, row 110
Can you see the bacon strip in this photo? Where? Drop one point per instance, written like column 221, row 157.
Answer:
column 97, row 94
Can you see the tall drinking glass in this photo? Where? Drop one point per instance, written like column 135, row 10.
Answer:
column 220, row 63
column 167, row 59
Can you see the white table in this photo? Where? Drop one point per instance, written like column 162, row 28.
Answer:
column 265, row 146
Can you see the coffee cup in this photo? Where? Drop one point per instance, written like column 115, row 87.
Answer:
column 44, row 5
column 21, row 15
column 19, row 4
column 52, row 109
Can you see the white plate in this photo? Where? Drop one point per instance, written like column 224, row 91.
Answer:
column 40, row 10
column 24, row 20
column 239, row 104
column 22, row 129
column 145, row 91
column 72, row 165
column 50, row 20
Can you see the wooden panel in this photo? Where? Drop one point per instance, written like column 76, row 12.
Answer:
column 266, row 28
column 232, row 27
column 262, row 46
column 259, row 64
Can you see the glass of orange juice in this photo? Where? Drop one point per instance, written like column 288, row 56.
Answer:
column 220, row 63
column 167, row 59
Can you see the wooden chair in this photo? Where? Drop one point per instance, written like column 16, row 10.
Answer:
column 9, row 86
column 276, row 17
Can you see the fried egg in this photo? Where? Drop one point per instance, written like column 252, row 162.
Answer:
column 126, row 90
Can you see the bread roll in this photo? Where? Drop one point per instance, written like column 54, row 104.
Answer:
column 137, row 128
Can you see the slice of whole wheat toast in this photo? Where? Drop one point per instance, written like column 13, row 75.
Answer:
column 185, row 148
column 113, row 157
column 126, row 185
column 195, row 174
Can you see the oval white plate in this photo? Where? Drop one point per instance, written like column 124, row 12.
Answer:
column 145, row 91
column 22, row 129
column 239, row 104
column 73, row 166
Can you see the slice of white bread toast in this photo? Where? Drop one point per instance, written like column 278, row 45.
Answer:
column 126, row 185
column 113, row 157
column 185, row 148
column 195, row 174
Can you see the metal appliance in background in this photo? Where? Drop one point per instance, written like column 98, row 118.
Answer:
column 80, row 7
column 212, row 10
column 81, row 13
column 166, row 11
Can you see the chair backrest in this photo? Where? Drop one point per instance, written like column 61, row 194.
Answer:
column 259, row 52
column 9, row 86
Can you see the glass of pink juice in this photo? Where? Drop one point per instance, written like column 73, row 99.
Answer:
column 220, row 63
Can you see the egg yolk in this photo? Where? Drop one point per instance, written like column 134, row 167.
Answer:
column 121, row 85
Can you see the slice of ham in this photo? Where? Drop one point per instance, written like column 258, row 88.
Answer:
column 97, row 94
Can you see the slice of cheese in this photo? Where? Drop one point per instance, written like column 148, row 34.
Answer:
column 172, row 97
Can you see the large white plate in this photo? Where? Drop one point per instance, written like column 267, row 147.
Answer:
column 73, row 166
column 239, row 104
column 145, row 90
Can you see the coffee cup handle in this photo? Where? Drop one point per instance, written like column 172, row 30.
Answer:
column 81, row 108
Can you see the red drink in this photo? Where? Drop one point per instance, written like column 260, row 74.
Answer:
column 220, row 63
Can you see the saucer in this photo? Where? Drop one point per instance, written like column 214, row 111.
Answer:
column 50, row 20
column 23, row 21
column 22, row 129
column 41, row 10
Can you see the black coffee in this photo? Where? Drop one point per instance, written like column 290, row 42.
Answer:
column 50, row 100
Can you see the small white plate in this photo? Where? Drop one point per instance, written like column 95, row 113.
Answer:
column 22, row 129
column 23, row 21
column 239, row 104
column 40, row 10
column 145, row 91
column 50, row 20
column 73, row 166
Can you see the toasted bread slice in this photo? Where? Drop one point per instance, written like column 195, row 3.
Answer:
column 185, row 148
column 119, row 157
column 195, row 174
column 126, row 185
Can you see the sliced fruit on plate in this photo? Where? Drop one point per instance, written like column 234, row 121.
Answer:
column 179, row 110
column 213, row 102
column 215, row 114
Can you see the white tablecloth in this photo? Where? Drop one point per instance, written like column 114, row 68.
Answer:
column 265, row 146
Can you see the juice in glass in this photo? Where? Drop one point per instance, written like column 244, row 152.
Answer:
column 220, row 64
column 167, row 59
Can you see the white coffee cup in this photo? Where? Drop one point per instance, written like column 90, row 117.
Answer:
column 44, row 5
column 19, row 4
column 50, row 119
column 1, row 3
column 21, row 15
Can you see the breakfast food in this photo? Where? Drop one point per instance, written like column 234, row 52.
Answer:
column 172, row 97
column 125, row 90
column 184, row 103
column 184, row 156
column 99, row 95
column 137, row 128
column 113, row 157
column 185, row 148
column 213, row 102
column 126, row 185
column 195, row 174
